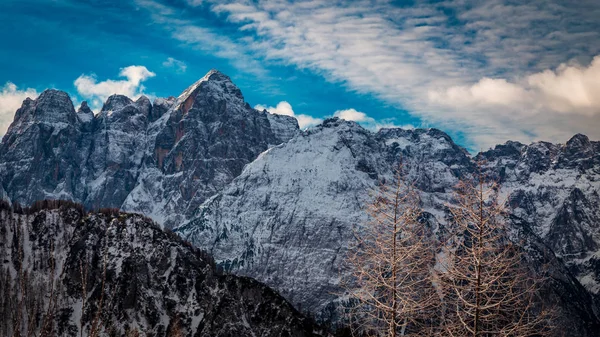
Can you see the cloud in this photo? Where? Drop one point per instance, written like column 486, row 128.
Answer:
column 285, row 108
column 570, row 89
column 179, row 66
column 88, row 86
column 488, row 60
column 200, row 37
column 552, row 104
column 11, row 99
column 352, row 115
column 368, row 122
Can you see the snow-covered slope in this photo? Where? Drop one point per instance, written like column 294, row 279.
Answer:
column 153, row 279
column 162, row 159
column 554, row 191
column 287, row 219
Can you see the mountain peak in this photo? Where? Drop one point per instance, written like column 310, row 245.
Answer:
column 215, row 85
column 116, row 102
column 53, row 94
column 577, row 141
column 84, row 108
column 336, row 122
column 51, row 106
column 84, row 113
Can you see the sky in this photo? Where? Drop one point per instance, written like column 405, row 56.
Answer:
column 482, row 71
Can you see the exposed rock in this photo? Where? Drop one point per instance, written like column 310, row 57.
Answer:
column 162, row 160
column 152, row 279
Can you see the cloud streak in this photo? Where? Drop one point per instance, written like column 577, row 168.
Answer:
column 176, row 64
column 468, row 65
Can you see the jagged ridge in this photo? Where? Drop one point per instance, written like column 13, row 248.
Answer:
column 162, row 159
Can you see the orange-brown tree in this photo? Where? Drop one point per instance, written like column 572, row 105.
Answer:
column 391, row 263
column 488, row 289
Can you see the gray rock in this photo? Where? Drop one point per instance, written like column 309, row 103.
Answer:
column 162, row 160
column 153, row 278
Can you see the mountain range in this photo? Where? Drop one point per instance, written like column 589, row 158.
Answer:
column 278, row 204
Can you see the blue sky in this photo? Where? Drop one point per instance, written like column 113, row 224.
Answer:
column 483, row 71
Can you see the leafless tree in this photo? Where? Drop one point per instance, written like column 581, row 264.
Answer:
column 391, row 263
column 488, row 290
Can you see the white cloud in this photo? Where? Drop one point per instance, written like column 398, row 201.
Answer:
column 285, row 108
column 201, row 37
column 89, row 87
column 178, row 65
column 352, row 115
column 366, row 121
column 477, row 55
column 570, row 89
column 548, row 105
column 11, row 99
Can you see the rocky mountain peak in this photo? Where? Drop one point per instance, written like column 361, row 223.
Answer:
column 84, row 108
column 213, row 87
column 53, row 95
column 338, row 124
column 115, row 102
column 84, row 113
column 52, row 106
column 578, row 142
column 144, row 105
column 580, row 152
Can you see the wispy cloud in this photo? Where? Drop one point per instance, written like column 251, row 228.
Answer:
column 470, row 51
column 202, row 37
column 88, row 86
column 11, row 99
column 176, row 64
column 207, row 40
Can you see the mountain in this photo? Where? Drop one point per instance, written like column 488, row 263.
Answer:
column 278, row 204
column 137, row 276
column 162, row 159
column 288, row 219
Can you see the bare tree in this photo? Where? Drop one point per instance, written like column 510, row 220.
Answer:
column 488, row 290
column 391, row 263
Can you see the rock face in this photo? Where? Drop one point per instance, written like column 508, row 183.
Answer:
column 554, row 191
column 162, row 159
column 200, row 146
column 152, row 279
column 287, row 219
